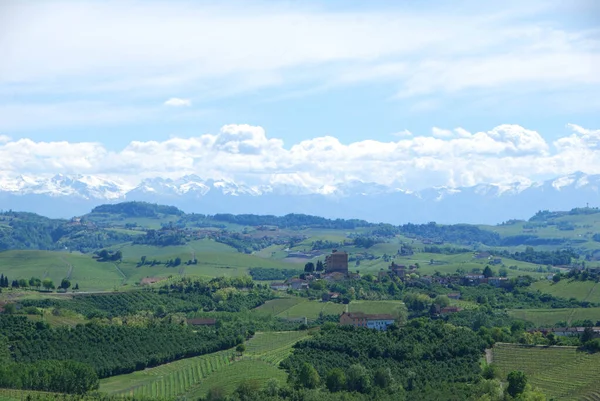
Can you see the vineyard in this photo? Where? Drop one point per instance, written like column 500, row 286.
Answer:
column 168, row 380
column 273, row 347
column 193, row 377
column 560, row 372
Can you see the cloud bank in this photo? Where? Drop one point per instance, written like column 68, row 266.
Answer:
column 245, row 154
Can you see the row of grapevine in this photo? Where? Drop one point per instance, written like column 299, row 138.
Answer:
column 171, row 382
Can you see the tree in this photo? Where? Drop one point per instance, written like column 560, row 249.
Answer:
column 517, row 381
column 309, row 267
column 216, row 394
column 177, row 261
column 65, row 283
column 143, row 260
column 23, row 283
column 160, row 311
column 1, row 280
column 308, row 376
column 48, row 284
column 336, row 380
column 383, row 377
column 76, row 286
column 319, row 266
column 240, row 349
column 442, row 301
column 488, row 272
column 556, row 278
column 588, row 334
column 10, row 309
column 503, row 272
column 358, row 379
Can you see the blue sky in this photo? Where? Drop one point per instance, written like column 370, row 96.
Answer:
column 104, row 76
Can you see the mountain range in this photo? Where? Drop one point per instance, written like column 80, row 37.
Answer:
column 68, row 196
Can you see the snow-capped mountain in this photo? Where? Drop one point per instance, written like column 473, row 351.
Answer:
column 66, row 196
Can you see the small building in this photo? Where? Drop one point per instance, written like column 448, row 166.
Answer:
column 201, row 322
column 497, row 281
column 473, row 279
column 496, row 261
column 330, row 296
column 150, row 280
column 370, row 321
column 571, row 331
column 278, row 286
column 454, row 295
column 298, row 284
column 482, row 255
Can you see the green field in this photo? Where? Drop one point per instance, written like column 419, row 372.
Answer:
column 549, row 317
column 580, row 290
column 81, row 269
column 193, row 377
column 562, row 373
column 214, row 259
column 296, row 308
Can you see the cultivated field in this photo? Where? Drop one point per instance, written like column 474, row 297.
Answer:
column 193, row 377
column 81, row 269
column 580, row 290
column 167, row 380
column 560, row 372
column 296, row 308
column 549, row 317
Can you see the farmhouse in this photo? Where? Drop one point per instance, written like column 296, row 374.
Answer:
column 298, row 284
column 279, row 286
column 370, row 321
column 336, row 262
column 497, row 281
column 454, row 295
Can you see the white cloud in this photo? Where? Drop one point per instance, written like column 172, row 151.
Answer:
column 246, row 154
column 4, row 138
column 136, row 47
column 441, row 133
column 177, row 102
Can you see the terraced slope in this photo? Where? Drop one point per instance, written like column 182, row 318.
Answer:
column 560, row 372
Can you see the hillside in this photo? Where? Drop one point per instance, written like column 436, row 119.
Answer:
column 560, row 372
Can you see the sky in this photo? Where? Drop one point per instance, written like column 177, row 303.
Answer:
column 309, row 93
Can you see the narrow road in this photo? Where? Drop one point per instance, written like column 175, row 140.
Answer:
column 488, row 356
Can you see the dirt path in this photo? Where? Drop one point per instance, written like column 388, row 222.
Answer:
column 120, row 271
column 70, row 271
column 488, row 356
column 592, row 290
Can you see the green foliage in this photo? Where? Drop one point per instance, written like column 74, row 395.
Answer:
column 137, row 209
column 336, row 380
column 463, row 234
column 111, row 350
column 56, row 376
column 290, row 221
column 308, row 377
column 517, row 381
column 421, row 354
